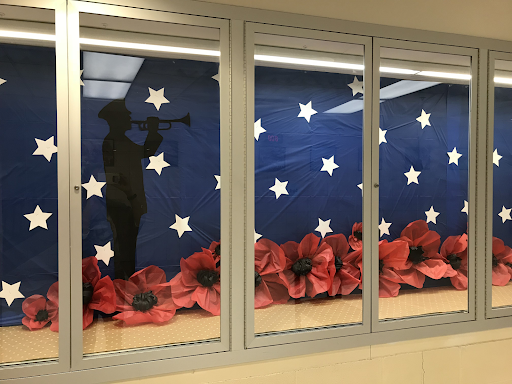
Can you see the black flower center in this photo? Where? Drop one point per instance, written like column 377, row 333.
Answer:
column 494, row 261
column 143, row 302
column 302, row 266
column 381, row 265
column 257, row 279
column 416, row 255
column 207, row 277
column 508, row 265
column 87, row 292
column 338, row 263
column 358, row 235
column 455, row 261
column 217, row 250
column 42, row 315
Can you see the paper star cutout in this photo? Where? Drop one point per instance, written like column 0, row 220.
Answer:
column 157, row 163
column 45, row 148
column 217, row 177
column 93, row 187
column 466, row 207
column 384, row 227
column 412, row 176
column 258, row 129
column 257, row 236
column 181, row 225
column 323, row 227
column 2, row 81
column 454, row 156
column 356, row 86
column 382, row 136
column 279, row 188
column 38, row 218
column 505, row 214
column 423, row 119
column 104, row 253
column 431, row 215
column 216, row 77
column 496, row 157
column 329, row 165
column 81, row 73
column 10, row 292
column 156, row 98
column 360, row 186
column 306, row 111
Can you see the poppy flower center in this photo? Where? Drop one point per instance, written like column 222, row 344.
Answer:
column 381, row 265
column 358, row 235
column 416, row 254
column 494, row 261
column 207, row 277
column 338, row 263
column 217, row 250
column 257, row 279
column 87, row 292
column 143, row 302
column 455, row 261
column 42, row 315
column 302, row 266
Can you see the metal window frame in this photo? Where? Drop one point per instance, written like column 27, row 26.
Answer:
column 78, row 360
column 491, row 312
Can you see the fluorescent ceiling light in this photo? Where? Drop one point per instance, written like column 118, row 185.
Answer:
column 97, row 89
column 404, row 87
column 398, row 70
column 503, row 80
column 313, row 63
column 105, row 66
column 445, row 75
column 27, row 35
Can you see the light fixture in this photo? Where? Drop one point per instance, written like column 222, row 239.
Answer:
column 503, row 80
column 27, row 35
column 445, row 75
column 398, row 70
column 313, row 63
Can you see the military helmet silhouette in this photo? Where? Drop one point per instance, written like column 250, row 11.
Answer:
column 115, row 110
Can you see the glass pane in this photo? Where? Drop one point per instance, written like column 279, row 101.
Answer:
column 28, row 187
column 308, row 183
column 502, row 202
column 151, row 184
column 424, row 162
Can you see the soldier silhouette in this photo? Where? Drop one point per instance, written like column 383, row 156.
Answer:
column 125, row 196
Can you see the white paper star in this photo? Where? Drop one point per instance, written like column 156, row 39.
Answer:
column 431, row 215
column 181, row 225
column 217, row 177
column 45, row 148
column 323, row 227
column 38, row 218
column 81, row 73
column 93, row 187
column 156, row 98
column 360, row 186
column 10, row 292
column 306, row 111
column 384, row 227
column 329, row 165
column 424, row 119
column 505, row 214
column 257, row 236
column 496, row 157
column 356, row 86
column 216, row 77
column 412, row 176
column 466, row 207
column 2, row 81
column 104, row 253
column 258, row 129
column 157, row 163
column 279, row 188
column 454, row 156
column 382, row 136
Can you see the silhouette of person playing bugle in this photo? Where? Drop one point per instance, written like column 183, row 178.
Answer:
column 125, row 196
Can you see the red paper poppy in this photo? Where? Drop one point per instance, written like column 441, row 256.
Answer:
column 391, row 256
column 198, row 282
column 53, row 305
column 145, row 298
column 423, row 258
column 269, row 260
column 307, row 267
column 345, row 277
column 501, row 257
column 215, row 250
column 454, row 252
column 98, row 293
column 38, row 312
column 356, row 238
